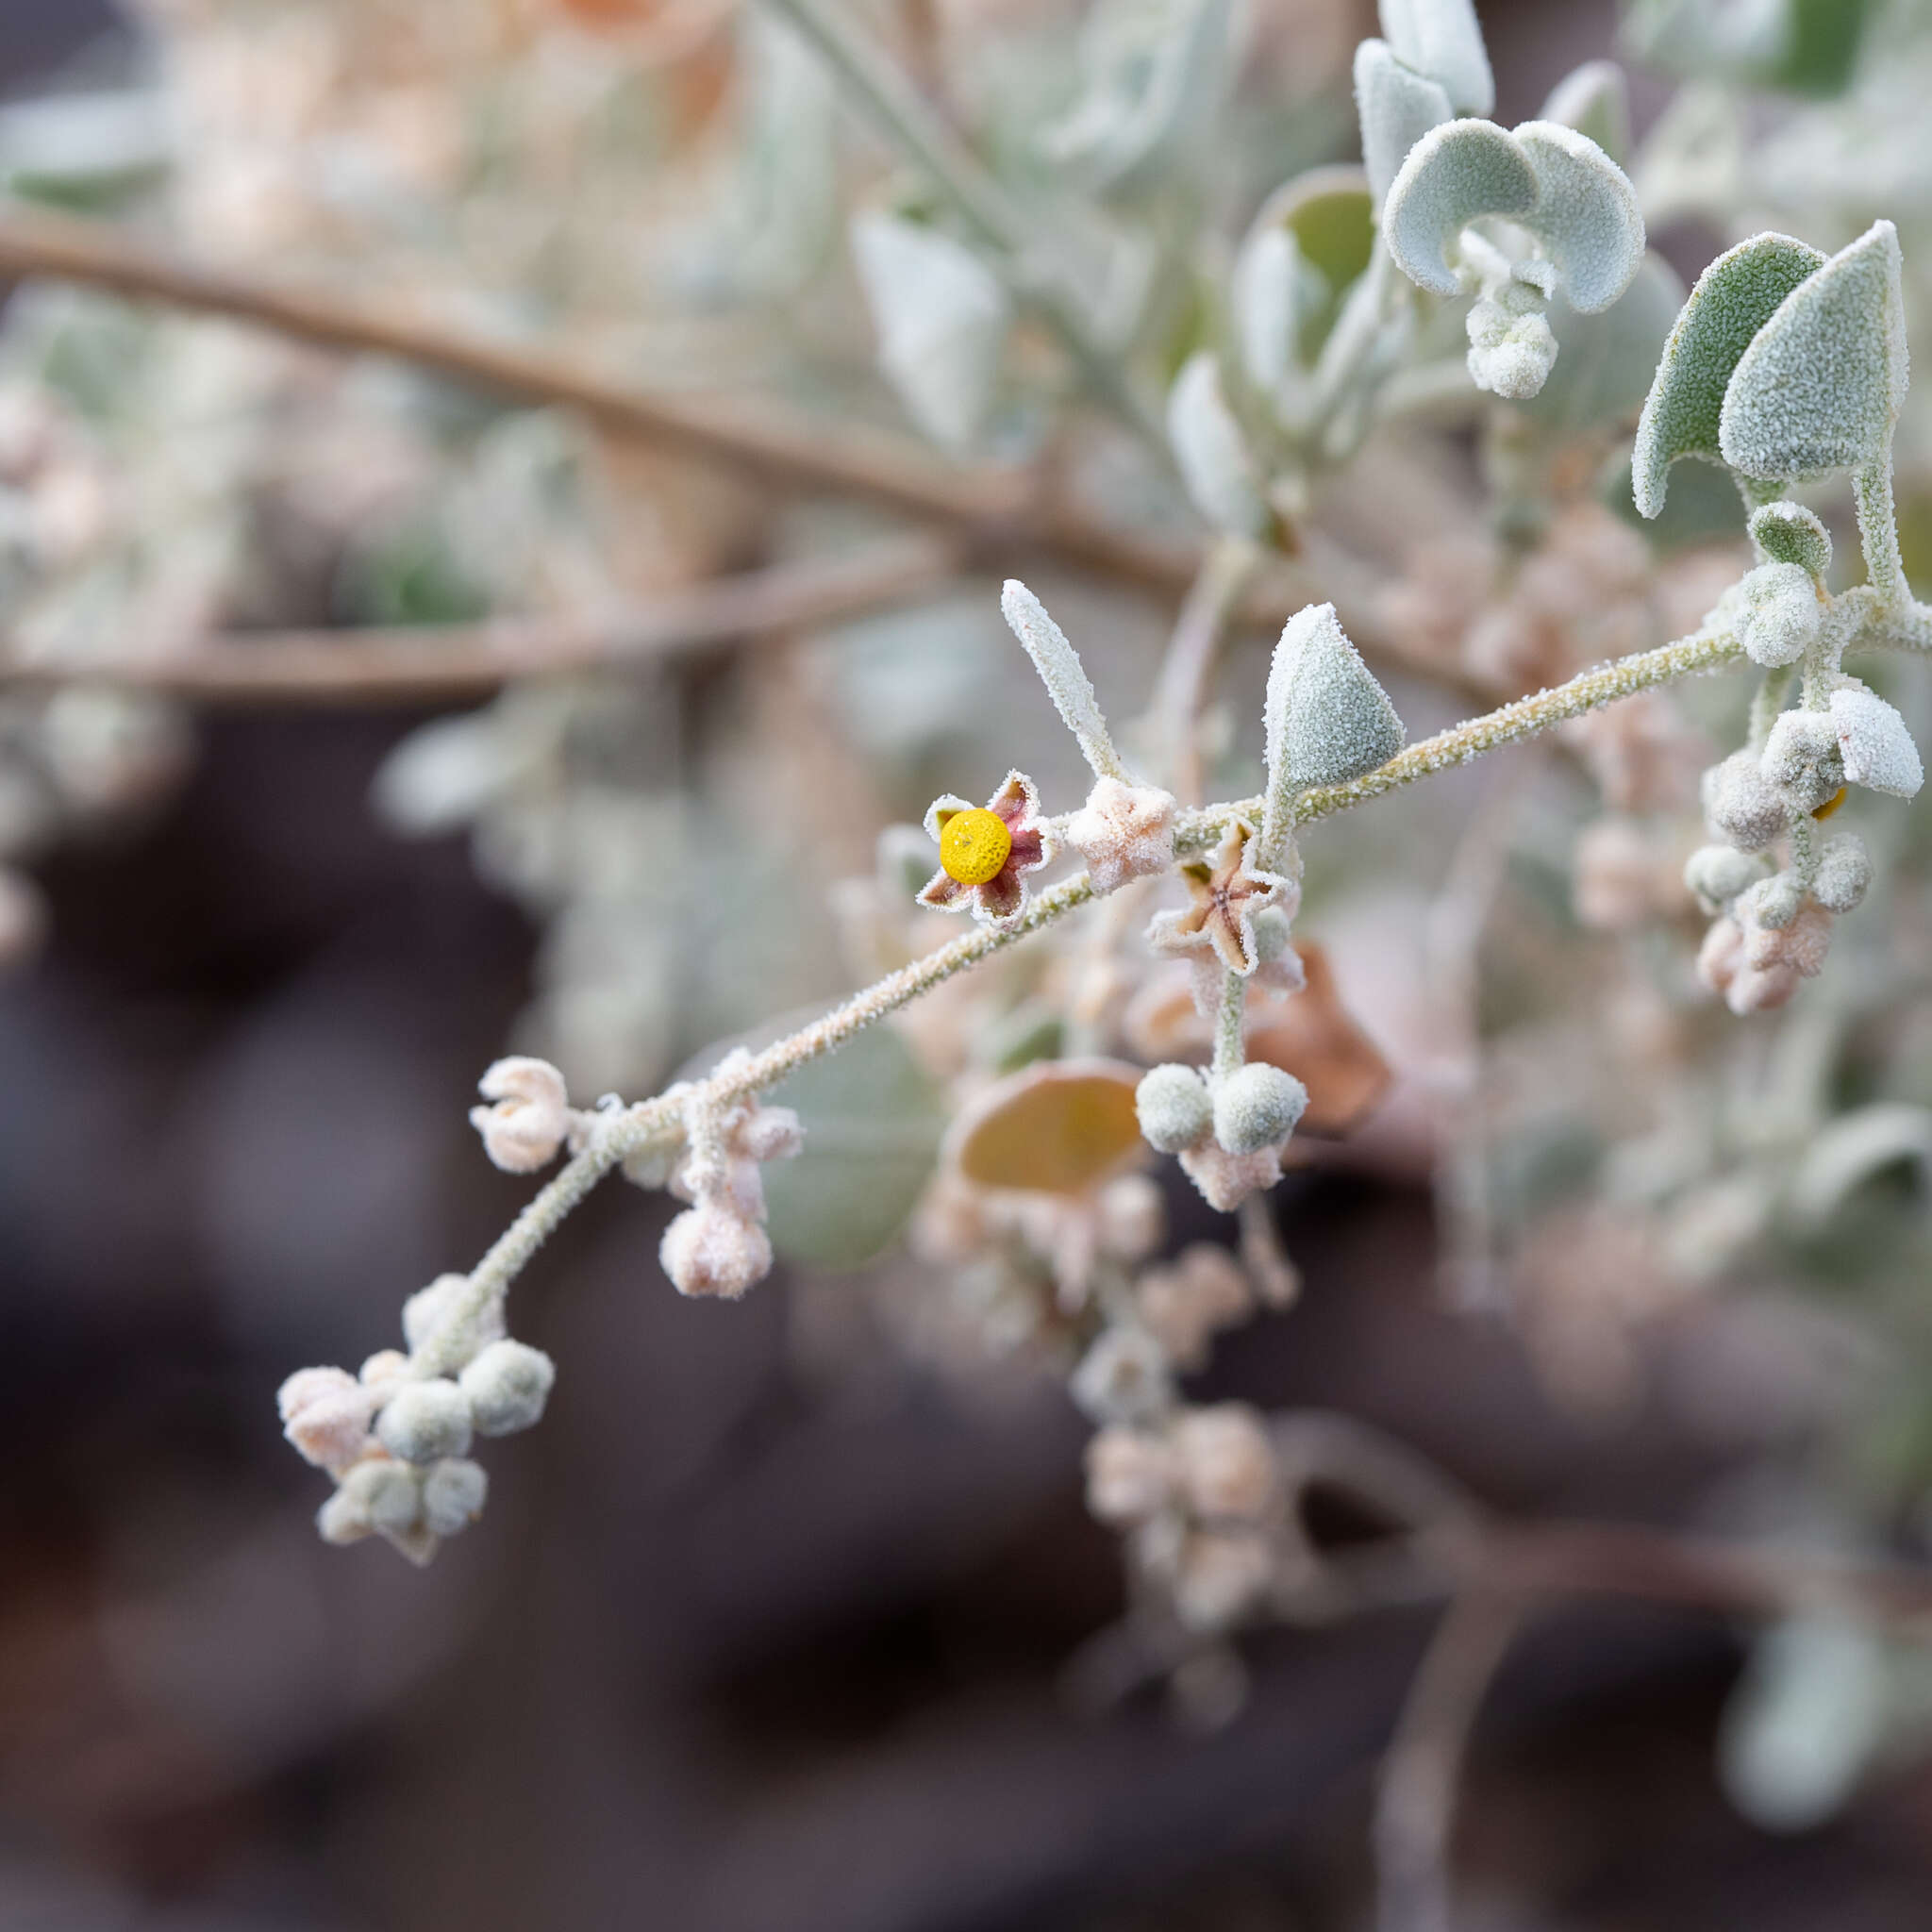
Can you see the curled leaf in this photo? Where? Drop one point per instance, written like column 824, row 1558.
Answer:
column 1454, row 175
column 1734, row 297
column 1874, row 743
column 1586, row 213
column 1820, row 386
column 1058, row 1127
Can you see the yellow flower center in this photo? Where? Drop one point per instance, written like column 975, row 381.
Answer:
column 1831, row 804
column 974, row 846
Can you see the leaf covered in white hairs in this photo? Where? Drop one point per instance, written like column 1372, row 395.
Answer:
column 1874, row 743
column 1734, row 298
column 1328, row 720
column 1440, row 39
column 942, row 316
column 1215, row 465
column 1820, row 386
column 1454, row 174
column 1595, row 100
column 1778, row 616
column 1789, row 533
column 1397, row 106
column 1586, row 212
column 1063, row 674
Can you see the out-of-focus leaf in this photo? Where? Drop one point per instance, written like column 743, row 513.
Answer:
column 1594, row 100
column 872, row 1123
column 1331, row 218
column 1852, row 1149
column 1219, row 475
column 1604, row 362
column 1057, row 1127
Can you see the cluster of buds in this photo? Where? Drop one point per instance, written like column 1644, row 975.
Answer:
column 1200, row 1497
column 397, row 1436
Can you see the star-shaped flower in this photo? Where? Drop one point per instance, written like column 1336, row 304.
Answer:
column 1225, row 894
column 1123, row 832
column 984, row 853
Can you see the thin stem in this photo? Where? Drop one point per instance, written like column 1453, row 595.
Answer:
column 903, row 115
column 1230, row 1014
column 408, row 663
column 1766, row 703
column 1878, row 531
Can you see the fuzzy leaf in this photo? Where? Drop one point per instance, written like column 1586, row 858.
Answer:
column 1789, row 533
column 872, row 1126
column 1058, row 1127
column 1397, row 106
column 1328, row 720
column 1850, row 1150
column 1734, row 297
column 1594, row 100
column 1212, row 454
column 1453, row 174
column 1586, row 212
column 1874, row 743
column 1440, row 39
column 1064, row 676
column 1270, row 291
column 1331, row 216
column 1820, row 386
column 943, row 317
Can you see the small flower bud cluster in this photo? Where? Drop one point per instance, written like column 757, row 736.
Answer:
column 1123, row 832
column 719, row 1247
column 396, row 1438
column 531, row 1119
column 1228, row 1129
column 1200, row 1495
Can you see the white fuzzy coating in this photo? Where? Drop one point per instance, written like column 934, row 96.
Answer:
column 1820, row 386
column 1442, row 39
column 1874, row 744
column 1397, row 106
column 1716, row 873
column 425, row 1420
column 1844, row 872
column 531, row 1119
column 1510, row 355
column 1789, row 533
column 943, row 317
column 1802, row 758
column 712, row 1250
column 506, row 1385
column 1123, row 832
column 1769, row 905
column 1225, row 1180
column 1326, row 718
column 342, row 1518
column 454, row 1493
column 1219, row 473
column 1063, row 674
column 1586, row 213
column 325, row 1414
column 1741, row 803
column 1174, row 1107
column 386, row 1495
column 1777, row 615
column 1453, row 174
column 1733, row 299
column 426, row 1311
column 1255, row 1107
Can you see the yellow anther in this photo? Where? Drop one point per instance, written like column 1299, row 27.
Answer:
column 974, row 846
column 1831, row 804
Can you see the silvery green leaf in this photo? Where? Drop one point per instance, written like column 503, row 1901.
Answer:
column 1440, row 39
column 1454, row 174
column 1586, row 213
column 1850, row 1150
column 1734, row 297
column 1776, row 614
column 1594, row 100
column 1209, row 448
column 1155, row 72
column 1064, row 676
column 1397, row 106
column 1265, row 292
column 1805, row 1722
column 1331, row 217
column 1789, row 533
column 1874, row 743
column 943, row 317
column 1604, row 361
column 1328, row 720
column 1820, row 386
column 873, row 1124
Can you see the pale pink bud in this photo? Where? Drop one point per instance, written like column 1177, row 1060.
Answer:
column 1226, row 1461
column 1123, row 832
column 531, row 1119
column 325, row 1415
column 710, row 1249
column 1224, row 1179
column 1129, row 1476
column 1183, row 1304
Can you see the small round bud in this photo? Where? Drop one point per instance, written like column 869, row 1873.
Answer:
column 1257, row 1106
column 711, row 1249
column 1779, row 614
column 1122, row 1379
column 531, row 1119
column 1175, row 1107
column 1845, row 872
column 424, row 1421
column 506, row 1384
column 452, row 1495
column 325, row 1415
column 342, row 1518
column 426, row 1310
column 388, row 1495
column 1772, row 904
column 1741, row 803
column 385, row 1372
column 1803, row 759
column 1716, row 873
column 1226, row 1461
column 1129, row 1476
column 1272, row 928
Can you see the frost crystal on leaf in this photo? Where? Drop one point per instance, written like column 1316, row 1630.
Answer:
column 1064, row 676
column 1440, row 39
column 1454, row 175
column 1586, row 212
column 1742, row 804
column 1820, row 386
column 1802, row 759
column 1789, row 533
column 1873, row 742
column 1734, row 298
column 1397, row 106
